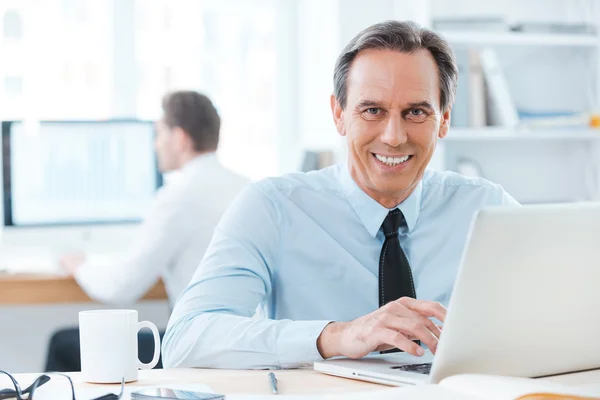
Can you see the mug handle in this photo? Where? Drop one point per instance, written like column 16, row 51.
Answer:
column 154, row 329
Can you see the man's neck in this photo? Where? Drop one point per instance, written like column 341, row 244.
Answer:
column 390, row 201
column 386, row 200
column 187, row 157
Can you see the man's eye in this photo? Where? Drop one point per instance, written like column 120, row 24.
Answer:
column 417, row 112
column 372, row 110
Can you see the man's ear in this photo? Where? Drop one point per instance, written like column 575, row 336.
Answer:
column 338, row 115
column 181, row 140
column 445, row 123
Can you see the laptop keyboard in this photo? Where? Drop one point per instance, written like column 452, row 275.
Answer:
column 424, row 368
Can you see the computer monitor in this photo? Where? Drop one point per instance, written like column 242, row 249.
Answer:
column 77, row 172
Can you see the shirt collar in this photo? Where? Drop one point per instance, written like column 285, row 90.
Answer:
column 370, row 212
column 199, row 162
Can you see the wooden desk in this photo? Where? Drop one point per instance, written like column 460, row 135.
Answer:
column 303, row 381
column 299, row 381
column 52, row 289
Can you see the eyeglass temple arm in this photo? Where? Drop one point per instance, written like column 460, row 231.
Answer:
column 61, row 374
column 15, row 384
column 37, row 383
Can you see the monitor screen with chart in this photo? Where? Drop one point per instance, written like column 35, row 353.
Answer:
column 71, row 172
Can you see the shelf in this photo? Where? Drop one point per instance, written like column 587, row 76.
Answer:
column 492, row 133
column 471, row 38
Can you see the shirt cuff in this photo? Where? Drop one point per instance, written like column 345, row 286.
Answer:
column 94, row 283
column 297, row 343
column 84, row 275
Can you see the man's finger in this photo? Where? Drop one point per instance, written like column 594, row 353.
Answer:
column 429, row 324
column 425, row 308
column 421, row 333
column 397, row 340
column 415, row 328
column 402, row 311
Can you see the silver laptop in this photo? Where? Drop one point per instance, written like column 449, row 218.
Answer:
column 526, row 302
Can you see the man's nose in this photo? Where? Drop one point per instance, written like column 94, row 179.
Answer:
column 395, row 133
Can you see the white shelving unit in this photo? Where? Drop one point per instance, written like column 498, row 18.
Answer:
column 533, row 164
column 477, row 39
column 498, row 133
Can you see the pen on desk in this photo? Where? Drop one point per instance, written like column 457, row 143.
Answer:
column 273, row 380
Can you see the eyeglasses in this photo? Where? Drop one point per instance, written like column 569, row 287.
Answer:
column 27, row 393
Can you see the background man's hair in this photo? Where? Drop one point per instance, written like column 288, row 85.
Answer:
column 196, row 115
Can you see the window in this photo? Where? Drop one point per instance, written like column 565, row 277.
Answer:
column 56, row 58
column 226, row 50
column 12, row 26
column 88, row 59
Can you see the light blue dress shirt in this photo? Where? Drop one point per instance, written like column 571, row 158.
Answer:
column 295, row 252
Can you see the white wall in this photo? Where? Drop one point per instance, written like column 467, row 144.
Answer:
column 318, row 47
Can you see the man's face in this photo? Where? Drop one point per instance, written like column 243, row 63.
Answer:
column 165, row 148
column 392, row 121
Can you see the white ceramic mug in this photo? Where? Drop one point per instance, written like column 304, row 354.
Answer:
column 109, row 345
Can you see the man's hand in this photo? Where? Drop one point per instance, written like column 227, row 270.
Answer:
column 394, row 325
column 71, row 261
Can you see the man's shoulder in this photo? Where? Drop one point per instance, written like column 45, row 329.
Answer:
column 452, row 184
column 321, row 181
column 452, row 179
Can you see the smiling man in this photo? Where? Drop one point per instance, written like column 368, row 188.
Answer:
column 354, row 258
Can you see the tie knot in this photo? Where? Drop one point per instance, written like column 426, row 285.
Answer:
column 392, row 222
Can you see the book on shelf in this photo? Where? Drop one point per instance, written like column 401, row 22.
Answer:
column 555, row 119
column 460, row 108
column 502, row 110
column 477, row 91
column 554, row 28
column 482, row 97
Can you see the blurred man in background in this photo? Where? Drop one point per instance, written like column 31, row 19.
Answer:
column 176, row 232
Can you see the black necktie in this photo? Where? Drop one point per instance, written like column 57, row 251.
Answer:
column 395, row 276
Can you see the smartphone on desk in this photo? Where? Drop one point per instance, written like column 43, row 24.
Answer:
column 173, row 394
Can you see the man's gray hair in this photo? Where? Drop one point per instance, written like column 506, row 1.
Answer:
column 404, row 37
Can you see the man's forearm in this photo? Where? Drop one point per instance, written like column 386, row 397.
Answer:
column 215, row 340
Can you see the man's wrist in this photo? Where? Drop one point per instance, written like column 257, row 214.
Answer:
column 329, row 339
